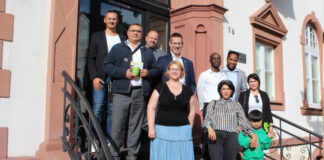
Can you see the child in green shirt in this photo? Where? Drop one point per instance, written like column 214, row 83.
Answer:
column 255, row 151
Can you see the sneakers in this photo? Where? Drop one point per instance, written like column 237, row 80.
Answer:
column 94, row 146
column 93, row 149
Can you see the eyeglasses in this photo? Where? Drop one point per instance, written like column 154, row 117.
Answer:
column 176, row 44
column 133, row 30
column 256, row 98
column 175, row 69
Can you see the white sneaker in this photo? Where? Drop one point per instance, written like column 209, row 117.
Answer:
column 93, row 149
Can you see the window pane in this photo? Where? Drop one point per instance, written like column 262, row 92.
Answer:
column 160, row 26
column 316, row 92
column 268, row 59
column 312, row 66
column 311, row 37
column 265, row 68
column 163, row 1
column 306, row 35
column 83, row 41
column 315, row 67
column 309, row 90
column 307, row 66
column 258, row 58
column 269, row 84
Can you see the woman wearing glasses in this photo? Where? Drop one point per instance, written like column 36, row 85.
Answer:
column 170, row 117
column 255, row 99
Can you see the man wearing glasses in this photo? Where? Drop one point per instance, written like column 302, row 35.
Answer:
column 176, row 44
column 132, row 67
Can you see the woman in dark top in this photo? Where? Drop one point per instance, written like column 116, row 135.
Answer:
column 222, row 120
column 255, row 99
column 170, row 116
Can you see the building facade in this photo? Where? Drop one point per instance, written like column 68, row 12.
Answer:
column 282, row 41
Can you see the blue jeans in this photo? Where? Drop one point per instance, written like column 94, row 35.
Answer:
column 99, row 103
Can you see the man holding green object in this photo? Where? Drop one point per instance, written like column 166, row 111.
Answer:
column 135, row 71
column 132, row 68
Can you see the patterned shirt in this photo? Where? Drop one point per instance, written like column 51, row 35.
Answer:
column 227, row 115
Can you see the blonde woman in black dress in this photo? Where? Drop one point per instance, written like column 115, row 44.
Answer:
column 170, row 116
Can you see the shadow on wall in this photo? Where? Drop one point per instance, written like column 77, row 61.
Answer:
column 285, row 7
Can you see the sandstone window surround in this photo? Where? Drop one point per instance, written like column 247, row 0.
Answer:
column 268, row 29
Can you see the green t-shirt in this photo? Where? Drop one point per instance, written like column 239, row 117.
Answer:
column 256, row 153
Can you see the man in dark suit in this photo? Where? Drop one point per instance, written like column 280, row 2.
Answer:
column 132, row 67
column 176, row 44
column 100, row 44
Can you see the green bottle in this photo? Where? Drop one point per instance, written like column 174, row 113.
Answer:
column 266, row 126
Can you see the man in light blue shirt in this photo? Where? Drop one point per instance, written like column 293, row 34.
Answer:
column 234, row 74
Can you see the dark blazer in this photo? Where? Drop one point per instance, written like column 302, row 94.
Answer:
column 266, row 111
column 97, row 53
column 190, row 81
column 118, row 61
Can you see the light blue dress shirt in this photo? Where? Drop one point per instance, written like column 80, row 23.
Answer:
column 232, row 75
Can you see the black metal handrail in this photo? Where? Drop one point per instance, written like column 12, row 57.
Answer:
column 279, row 131
column 297, row 126
column 75, row 121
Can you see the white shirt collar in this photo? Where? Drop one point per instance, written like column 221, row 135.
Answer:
column 128, row 44
column 211, row 71
column 175, row 57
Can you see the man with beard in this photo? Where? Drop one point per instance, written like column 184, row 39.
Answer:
column 100, row 44
column 208, row 82
column 151, row 42
column 234, row 74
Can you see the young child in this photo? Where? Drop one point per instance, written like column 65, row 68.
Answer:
column 249, row 151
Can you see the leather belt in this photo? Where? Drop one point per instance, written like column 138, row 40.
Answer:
column 136, row 87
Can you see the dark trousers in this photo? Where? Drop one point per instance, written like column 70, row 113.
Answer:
column 225, row 147
column 204, row 136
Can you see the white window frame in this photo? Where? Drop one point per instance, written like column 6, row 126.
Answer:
column 261, row 49
column 312, row 50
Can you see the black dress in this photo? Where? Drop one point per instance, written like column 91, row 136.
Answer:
column 173, row 109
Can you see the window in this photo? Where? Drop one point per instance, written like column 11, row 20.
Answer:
column 312, row 68
column 265, row 68
column 268, row 32
column 311, row 40
column 160, row 26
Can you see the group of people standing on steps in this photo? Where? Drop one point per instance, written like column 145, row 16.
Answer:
column 145, row 80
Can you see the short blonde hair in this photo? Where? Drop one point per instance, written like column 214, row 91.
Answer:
column 167, row 74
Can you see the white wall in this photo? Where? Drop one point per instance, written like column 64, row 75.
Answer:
column 24, row 112
column 292, row 13
column 292, row 58
column 239, row 38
